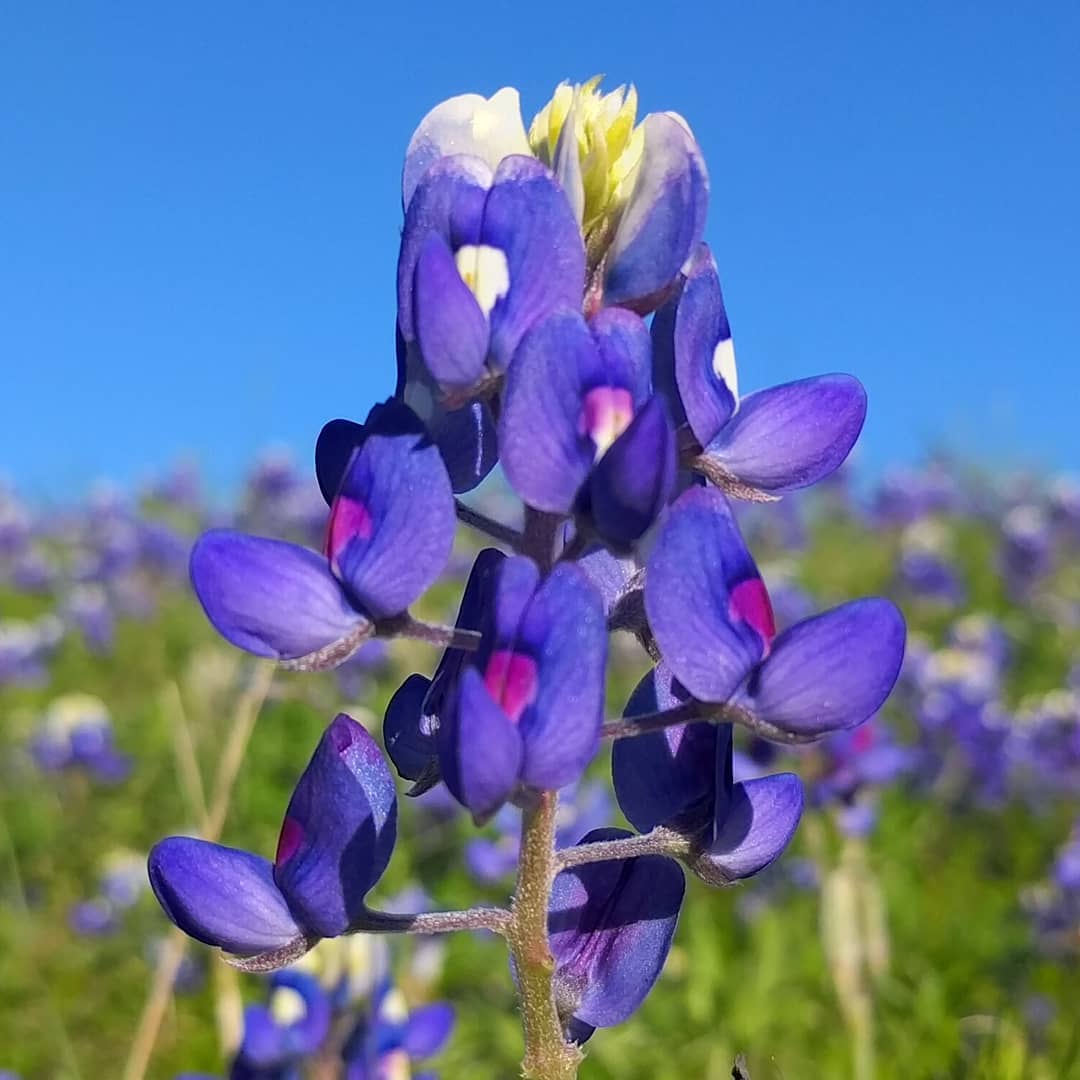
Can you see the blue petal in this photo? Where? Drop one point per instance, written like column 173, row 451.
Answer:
column 449, row 202
column 428, row 1029
column 408, row 734
column 545, row 453
column 392, row 524
column 690, row 581
column 221, row 896
column 687, row 332
column 271, row 598
column 661, row 777
column 565, row 631
column 753, row 827
column 633, row 481
column 339, row 830
column 793, row 435
column 450, row 327
column 480, row 749
column 832, row 671
column 664, row 217
column 527, row 217
column 611, row 925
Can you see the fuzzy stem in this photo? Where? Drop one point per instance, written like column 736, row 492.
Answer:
column 693, row 711
column 496, row 530
column 657, row 842
column 538, row 540
column 494, row 919
column 547, row 1054
column 452, row 637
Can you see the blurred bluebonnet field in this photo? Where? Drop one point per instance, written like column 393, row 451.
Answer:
column 927, row 916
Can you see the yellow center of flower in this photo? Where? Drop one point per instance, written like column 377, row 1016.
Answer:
column 287, row 1006
column 609, row 144
column 484, row 269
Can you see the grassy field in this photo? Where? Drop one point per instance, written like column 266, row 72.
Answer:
column 915, row 945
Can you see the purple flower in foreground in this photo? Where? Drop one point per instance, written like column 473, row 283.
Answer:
column 710, row 614
column 484, row 255
column 335, row 842
column 771, row 441
column 389, row 536
column 681, row 778
column 527, row 705
column 389, row 1038
column 610, row 925
column 581, row 430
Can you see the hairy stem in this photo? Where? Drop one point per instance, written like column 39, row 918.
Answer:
column 494, row 919
column 547, row 1054
column 538, row 540
column 453, row 637
column 657, row 842
column 694, row 711
column 496, row 530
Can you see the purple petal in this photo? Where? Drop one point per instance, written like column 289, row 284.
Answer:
column 392, row 523
column 527, row 217
column 449, row 202
column 428, row 1029
column 793, row 435
column 633, row 481
column 271, row 598
column 408, row 734
column 660, row 777
column 664, row 218
column 694, row 356
column 544, row 450
column 609, row 575
column 832, row 671
column 450, row 327
column 338, row 831
column 333, row 451
column 752, row 828
column 221, row 896
column 626, row 351
column 480, row 749
column 466, row 439
column 565, row 631
column 704, row 598
column 611, row 925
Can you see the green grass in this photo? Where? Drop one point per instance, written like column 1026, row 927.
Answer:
column 953, row 1002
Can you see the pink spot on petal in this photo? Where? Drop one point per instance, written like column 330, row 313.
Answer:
column 606, row 413
column 349, row 520
column 290, row 839
column 863, row 739
column 750, row 603
column 511, row 679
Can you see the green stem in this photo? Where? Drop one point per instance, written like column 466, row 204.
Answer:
column 547, row 1054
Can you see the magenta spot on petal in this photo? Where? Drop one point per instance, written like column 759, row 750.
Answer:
column 289, row 840
column 349, row 520
column 605, row 414
column 750, row 603
column 511, row 680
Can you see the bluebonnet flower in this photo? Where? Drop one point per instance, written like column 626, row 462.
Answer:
column 525, row 708
column 682, row 779
column 335, row 842
column 26, row 646
column 710, row 614
column 611, row 925
column 766, row 443
column 389, row 1038
column 278, row 1036
column 581, row 431
column 388, row 538
column 76, row 732
column 87, row 607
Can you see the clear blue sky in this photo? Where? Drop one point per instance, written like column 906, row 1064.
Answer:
column 199, row 206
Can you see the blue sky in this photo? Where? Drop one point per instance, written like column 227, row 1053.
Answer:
column 199, row 206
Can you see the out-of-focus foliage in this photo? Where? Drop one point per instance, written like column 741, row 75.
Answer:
column 922, row 911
